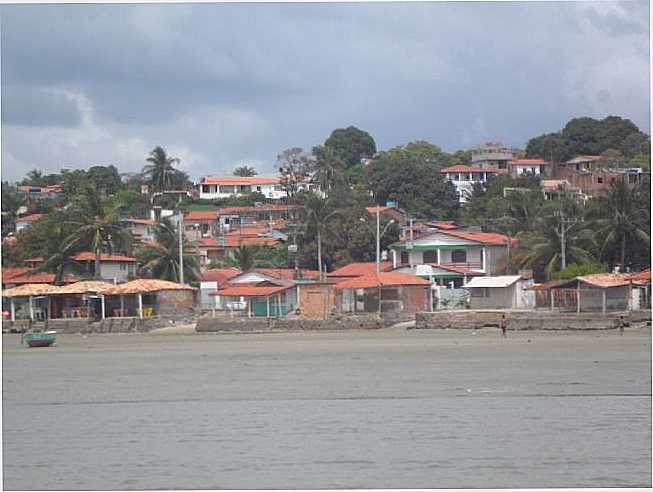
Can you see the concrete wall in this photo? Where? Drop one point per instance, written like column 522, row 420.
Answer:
column 498, row 297
column 206, row 324
column 83, row 326
column 525, row 320
column 120, row 271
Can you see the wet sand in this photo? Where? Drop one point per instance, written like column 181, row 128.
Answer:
column 386, row 408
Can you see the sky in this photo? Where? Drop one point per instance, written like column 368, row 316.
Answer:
column 223, row 85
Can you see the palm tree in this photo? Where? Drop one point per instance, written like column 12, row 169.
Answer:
column 622, row 218
column 97, row 227
column 329, row 169
column 245, row 171
column 317, row 213
column 542, row 247
column 160, row 172
column 58, row 255
column 161, row 258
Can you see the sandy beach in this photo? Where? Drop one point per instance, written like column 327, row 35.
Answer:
column 383, row 408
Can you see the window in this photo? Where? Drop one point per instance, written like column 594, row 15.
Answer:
column 430, row 256
column 227, row 189
column 480, row 292
column 123, row 267
column 258, row 188
column 404, row 258
column 459, row 256
column 599, row 179
column 278, row 187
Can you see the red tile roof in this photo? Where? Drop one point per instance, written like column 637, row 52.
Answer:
column 262, row 208
column 29, row 218
column 250, row 290
column 379, row 209
column 460, row 168
column 201, row 215
column 491, row 238
column 27, row 276
column 237, row 180
column 234, row 241
column 89, row 256
column 462, row 268
column 9, row 272
column 381, row 279
column 288, row 273
column 145, row 285
column 360, row 269
column 220, row 275
column 142, row 221
column 529, row 162
column 606, row 280
column 643, row 276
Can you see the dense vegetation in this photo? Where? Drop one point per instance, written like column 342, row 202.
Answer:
column 336, row 228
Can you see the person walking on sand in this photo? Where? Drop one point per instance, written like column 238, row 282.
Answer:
column 620, row 324
column 504, row 326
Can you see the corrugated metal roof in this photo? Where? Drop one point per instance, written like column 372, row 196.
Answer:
column 145, row 285
column 30, row 290
column 381, row 279
column 499, row 281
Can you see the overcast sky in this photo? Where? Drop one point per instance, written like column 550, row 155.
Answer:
column 219, row 85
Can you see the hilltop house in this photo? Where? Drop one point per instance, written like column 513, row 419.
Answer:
column 26, row 221
column 464, row 177
column 537, row 167
column 212, row 187
column 493, row 155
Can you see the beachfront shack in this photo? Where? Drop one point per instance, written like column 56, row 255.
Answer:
column 29, row 301
column 79, row 300
column 151, row 297
column 501, row 292
column 601, row 292
column 264, row 299
column 383, row 292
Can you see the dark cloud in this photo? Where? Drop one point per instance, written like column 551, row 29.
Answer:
column 226, row 83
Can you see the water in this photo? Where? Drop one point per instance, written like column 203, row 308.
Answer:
column 355, row 410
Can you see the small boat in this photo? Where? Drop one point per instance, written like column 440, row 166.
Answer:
column 40, row 338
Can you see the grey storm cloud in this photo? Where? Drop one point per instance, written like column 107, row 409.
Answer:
column 223, row 84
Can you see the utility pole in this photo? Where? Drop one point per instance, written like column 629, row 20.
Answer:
column 378, row 239
column 181, row 244
column 565, row 225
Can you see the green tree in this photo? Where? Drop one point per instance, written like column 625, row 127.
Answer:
column 329, row 169
column 160, row 171
column 317, row 214
column 579, row 269
column 97, row 227
column 12, row 200
column 350, row 145
column 417, row 185
column 245, row 171
column 294, row 165
column 161, row 259
column 622, row 218
column 105, row 179
column 58, row 253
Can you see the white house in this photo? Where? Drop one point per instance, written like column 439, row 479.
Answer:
column 142, row 229
column 501, row 292
column 532, row 166
column 26, row 221
column 463, row 178
column 212, row 187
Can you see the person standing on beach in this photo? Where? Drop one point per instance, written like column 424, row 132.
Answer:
column 504, row 326
column 620, row 324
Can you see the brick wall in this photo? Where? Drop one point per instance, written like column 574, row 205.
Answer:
column 317, row 301
column 176, row 303
column 415, row 298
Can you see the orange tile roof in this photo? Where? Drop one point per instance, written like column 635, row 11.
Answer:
column 460, row 168
column 141, row 221
column 288, row 273
column 234, row 241
column 263, row 208
column 606, row 280
column 85, row 286
column 359, row 269
column 250, row 290
column 90, row 256
column 9, row 272
column 379, row 209
column 529, row 162
column 201, row 215
column 238, row 180
column 461, row 268
column 491, row 238
column 39, row 278
column 30, row 290
column 219, row 275
column 643, row 276
column 145, row 285
column 29, row 218
column 381, row 279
